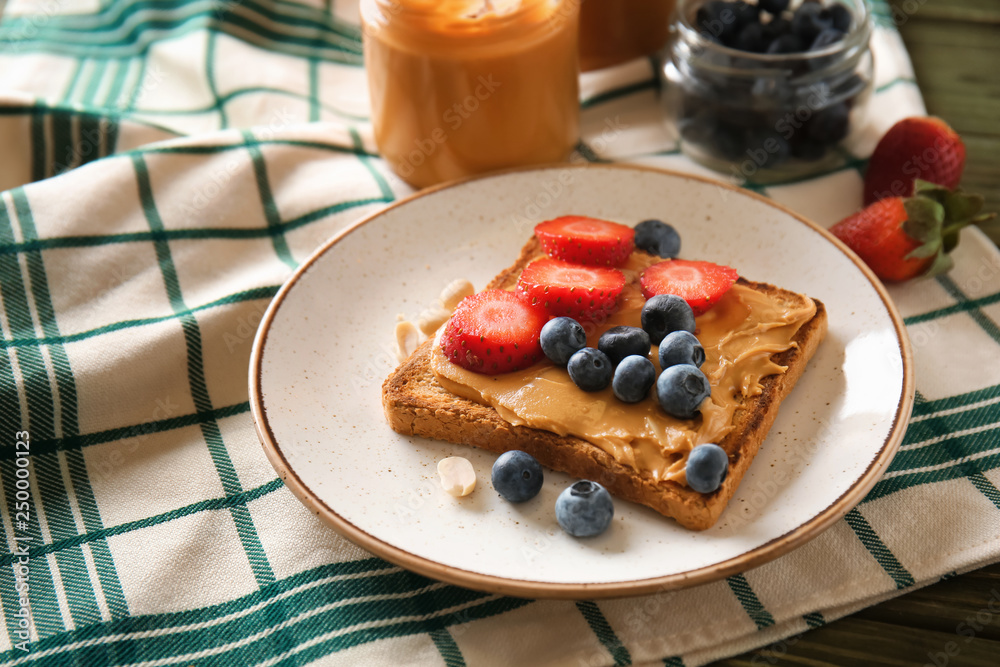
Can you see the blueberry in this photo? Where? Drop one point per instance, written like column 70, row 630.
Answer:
column 633, row 378
column 728, row 140
column 809, row 21
column 773, row 6
column 767, row 147
column 776, row 28
column 824, row 39
column 657, row 238
column 707, row 467
column 585, row 509
column 829, row 125
column 746, row 14
column 665, row 313
column 681, row 347
column 788, row 43
column 590, row 369
column 751, row 39
column 620, row 342
column 840, row 17
column 517, row 476
column 561, row 337
column 681, row 390
column 716, row 19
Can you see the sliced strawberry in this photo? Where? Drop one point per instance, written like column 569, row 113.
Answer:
column 494, row 332
column 574, row 238
column 701, row 284
column 587, row 293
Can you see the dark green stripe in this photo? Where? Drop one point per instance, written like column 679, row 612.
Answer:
column 383, row 185
column 587, row 152
column 138, row 86
column 118, row 83
column 42, row 594
column 271, row 213
column 210, row 76
column 750, row 602
column 886, row 487
column 306, row 600
column 314, row 103
column 986, row 487
column 96, row 74
column 134, row 431
column 102, row 534
column 63, row 148
column 100, row 41
column 8, row 248
column 625, row 91
column 960, row 400
column 871, row 541
column 73, row 80
column 951, row 449
column 945, row 425
column 962, row 307
column 895, row 82
column 196, row 380
column 446, row 646
column 254, row 294
column 814, row 620
column 60, row 517
column 988, row 325
column 605, row 633
column 674, row 661
column 39, row 149
column 9, row 599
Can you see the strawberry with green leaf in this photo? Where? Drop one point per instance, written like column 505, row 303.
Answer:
column 901, row 238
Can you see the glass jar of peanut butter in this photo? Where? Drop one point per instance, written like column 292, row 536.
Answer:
column 614, row 31
column 463, row 87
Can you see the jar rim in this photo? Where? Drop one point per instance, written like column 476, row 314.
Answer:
column 857, row 37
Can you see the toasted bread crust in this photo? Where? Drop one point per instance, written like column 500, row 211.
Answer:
column 416, row 404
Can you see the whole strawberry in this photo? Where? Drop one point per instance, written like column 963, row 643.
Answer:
column 924, row 148
column 905, row 237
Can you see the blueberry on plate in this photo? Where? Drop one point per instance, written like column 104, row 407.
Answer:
column 620, row 342
column 517, row 476
column 665, row 313
column 707, row 467
column 633, row 378
column 590, row 369
column 773, row 7
column 657, row 238
column 681, row 347
column 561, row 337
column 681, row 389
column 584, row 509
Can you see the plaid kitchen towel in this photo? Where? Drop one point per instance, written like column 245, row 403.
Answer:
column 166, row 164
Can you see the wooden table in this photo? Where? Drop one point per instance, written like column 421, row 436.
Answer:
column 955, row 47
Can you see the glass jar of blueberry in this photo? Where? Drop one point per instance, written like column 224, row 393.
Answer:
column 768, row 90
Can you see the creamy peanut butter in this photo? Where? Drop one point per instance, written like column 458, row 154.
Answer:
column 461, row 87
column 740, row 335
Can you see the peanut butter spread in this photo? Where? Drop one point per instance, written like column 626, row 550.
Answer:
column 740, row 334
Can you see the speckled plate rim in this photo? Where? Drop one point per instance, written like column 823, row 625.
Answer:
column 582, row 590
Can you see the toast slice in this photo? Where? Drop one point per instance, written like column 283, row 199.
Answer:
column 415, row 403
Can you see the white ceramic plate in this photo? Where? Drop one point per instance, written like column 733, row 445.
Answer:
column 327, row 342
